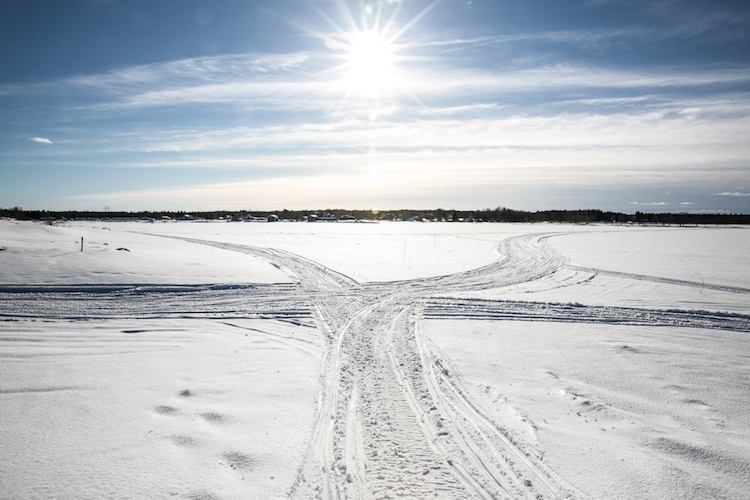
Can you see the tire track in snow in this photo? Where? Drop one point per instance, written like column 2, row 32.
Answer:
column 518, row 473
column 391, row 421
column 576, row 313
column 384, row 433
column 657, row 279
column 399, row 460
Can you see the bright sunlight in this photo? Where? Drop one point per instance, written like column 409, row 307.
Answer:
column 371, row 64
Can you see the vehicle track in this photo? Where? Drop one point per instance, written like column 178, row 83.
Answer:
column 392, row 421
column 448, row 308
column 657, row 279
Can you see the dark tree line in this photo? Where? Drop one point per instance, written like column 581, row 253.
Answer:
column 499, row 214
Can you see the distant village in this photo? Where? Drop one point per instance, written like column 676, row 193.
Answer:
column 499, row 214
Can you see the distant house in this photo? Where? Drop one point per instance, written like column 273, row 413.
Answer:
column 273, row 218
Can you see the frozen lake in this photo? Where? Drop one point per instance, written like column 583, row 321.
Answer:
column 417, row 360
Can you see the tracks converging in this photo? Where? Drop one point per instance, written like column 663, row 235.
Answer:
column 392, row 422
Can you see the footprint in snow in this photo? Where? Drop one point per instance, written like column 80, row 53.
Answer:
column 238, row 460
column 182, row 440
column 214, row 418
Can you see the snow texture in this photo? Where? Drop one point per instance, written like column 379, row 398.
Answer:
column 202, row 360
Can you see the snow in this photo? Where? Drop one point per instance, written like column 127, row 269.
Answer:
column 175, row 408
column 621, row 411
column 113, row 254
column 384, row 251
column 697, row 254
column 663, row 267
column 342, row 360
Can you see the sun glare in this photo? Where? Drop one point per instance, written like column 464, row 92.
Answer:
column 369, row 71
column 367, row 49
column 371, row 65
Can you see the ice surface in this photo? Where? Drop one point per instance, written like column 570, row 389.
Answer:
column 414, row 360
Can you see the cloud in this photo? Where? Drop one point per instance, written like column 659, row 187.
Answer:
column 650, row 204
column 182, row 73
column 572, row 78
column 308, row 81
column 351, row 189
column 579, row 139
column 280, row 116
column 586, row 38
column 468, row 108
column 608, row 101
column 708, row 211
column 678, row 24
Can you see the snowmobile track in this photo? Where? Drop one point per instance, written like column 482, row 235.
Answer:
column 392, row 421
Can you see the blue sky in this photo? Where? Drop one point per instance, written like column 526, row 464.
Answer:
column 235, row 104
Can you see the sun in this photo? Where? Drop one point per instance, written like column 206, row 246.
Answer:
column 370, row 68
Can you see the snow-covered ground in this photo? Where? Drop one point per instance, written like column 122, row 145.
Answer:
column 206, row 360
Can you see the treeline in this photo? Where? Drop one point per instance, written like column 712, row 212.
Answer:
column 499, row 214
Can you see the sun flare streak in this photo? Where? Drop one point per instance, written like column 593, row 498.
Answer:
column 370, row 68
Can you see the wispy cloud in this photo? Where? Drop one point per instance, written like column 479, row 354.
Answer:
column 298, row 81
column 577, row 78
column 348, row 189
column 585, row 37
column 678, row 25
column 168, row 75
column 571, row 126
column 659, row 137
column 633, row 130
column 708, row 211
column 468, row 108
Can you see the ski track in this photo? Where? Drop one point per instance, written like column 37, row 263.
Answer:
column 392, row 421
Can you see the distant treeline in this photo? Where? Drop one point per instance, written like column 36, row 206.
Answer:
column 499, row 214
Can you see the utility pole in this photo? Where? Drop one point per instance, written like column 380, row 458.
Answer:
column 81, row 243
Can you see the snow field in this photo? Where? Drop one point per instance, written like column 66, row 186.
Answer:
column 171, row 409
column 374, row 361
column 385, row 251
column 621, row 411
column 112, row 254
